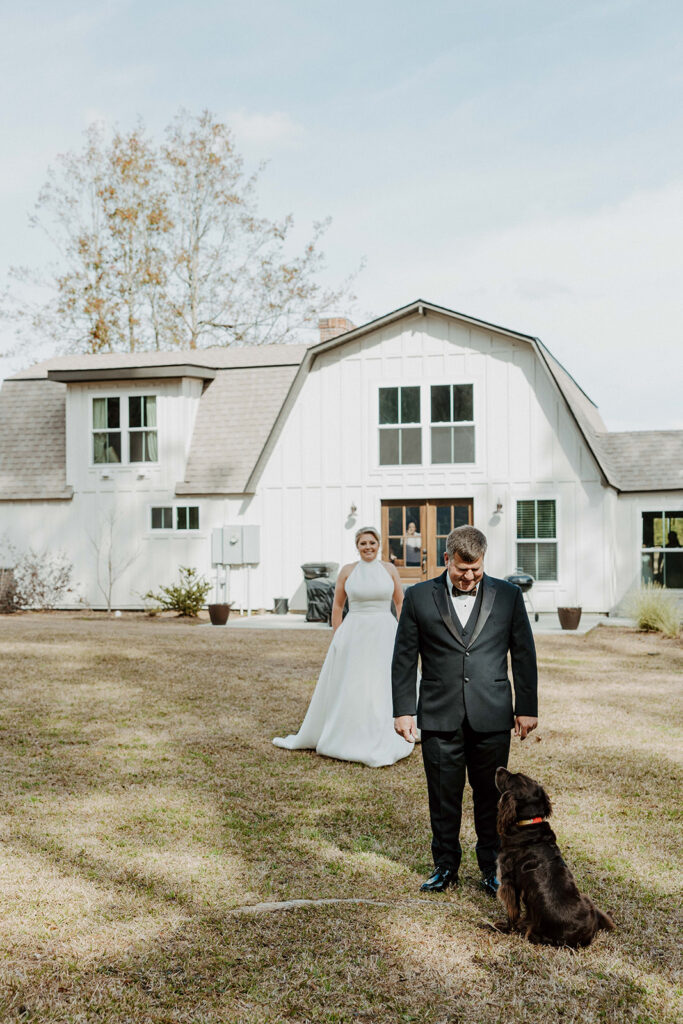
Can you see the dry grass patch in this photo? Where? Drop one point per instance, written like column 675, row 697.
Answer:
column 143, row 805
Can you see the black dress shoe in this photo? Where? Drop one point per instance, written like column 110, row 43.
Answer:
column 490, row 884
column 440, row 880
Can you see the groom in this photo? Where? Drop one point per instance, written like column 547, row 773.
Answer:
column 462, row 625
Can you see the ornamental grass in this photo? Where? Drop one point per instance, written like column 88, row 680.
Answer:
column 655, row 610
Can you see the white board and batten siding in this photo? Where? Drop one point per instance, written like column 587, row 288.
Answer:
column 526, row 446
column 120, row 497
column 322, row 458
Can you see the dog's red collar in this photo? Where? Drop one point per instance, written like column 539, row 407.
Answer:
column 530, row 821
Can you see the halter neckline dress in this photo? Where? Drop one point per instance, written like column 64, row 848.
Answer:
column 350, row 715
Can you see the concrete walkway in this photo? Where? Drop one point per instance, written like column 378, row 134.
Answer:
column 548, row 622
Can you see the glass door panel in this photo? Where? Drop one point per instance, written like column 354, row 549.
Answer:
column 443, row 517
column 402, row 538
column 414, row 534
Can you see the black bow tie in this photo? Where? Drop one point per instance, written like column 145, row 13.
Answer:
column 463, row 593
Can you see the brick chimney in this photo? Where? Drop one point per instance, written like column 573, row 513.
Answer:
column 332, row 326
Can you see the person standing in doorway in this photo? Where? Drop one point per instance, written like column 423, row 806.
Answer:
column 462, row 625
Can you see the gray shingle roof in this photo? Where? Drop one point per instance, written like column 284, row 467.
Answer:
column 33, row 441
column 235, row 416
column 635, row 460
column 241, row 410
column 215, row 358
column 645, row 460
column 236, row 413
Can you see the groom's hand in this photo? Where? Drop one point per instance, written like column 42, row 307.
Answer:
column 524, row 724
column 405, row 727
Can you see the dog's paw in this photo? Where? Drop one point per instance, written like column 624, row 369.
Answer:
column 502, row 927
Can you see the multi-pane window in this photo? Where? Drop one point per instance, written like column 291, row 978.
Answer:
column 106, row 437
column 186, row 517
column 142, row 428
column 117, row 423
column 452, row 418
column 400, row 433
column 662, row 553
column 537, row 538
column 162, row 517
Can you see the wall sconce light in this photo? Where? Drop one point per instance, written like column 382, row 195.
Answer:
column 498, row 509
column 353, row 511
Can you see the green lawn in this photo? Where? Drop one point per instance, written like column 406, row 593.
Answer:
column 144, row 808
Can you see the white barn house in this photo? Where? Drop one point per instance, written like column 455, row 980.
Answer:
column 418, row 421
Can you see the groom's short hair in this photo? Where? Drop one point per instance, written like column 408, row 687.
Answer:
column 467, row 542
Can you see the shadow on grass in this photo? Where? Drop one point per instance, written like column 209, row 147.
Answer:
column 172, row 758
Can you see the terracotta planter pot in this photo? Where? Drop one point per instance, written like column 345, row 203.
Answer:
column 569, row 617
column 219, row 614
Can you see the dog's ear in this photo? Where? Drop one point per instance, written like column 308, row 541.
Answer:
column 507, row 813
column 545, row 803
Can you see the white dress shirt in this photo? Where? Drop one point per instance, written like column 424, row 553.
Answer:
column 463, row 604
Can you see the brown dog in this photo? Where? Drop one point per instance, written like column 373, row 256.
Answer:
column 531, row 869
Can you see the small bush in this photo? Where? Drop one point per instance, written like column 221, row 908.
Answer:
column 42, row 579
column 655, row 609
column 187, row 597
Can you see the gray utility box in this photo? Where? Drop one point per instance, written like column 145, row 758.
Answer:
column 236, row 545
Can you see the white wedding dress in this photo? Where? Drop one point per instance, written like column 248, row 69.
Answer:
column 350, row 716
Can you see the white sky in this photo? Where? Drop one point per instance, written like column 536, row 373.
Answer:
column 516, row 160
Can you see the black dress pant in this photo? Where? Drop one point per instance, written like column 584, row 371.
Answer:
column 448, row 757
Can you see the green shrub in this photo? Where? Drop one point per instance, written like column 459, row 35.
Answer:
column 655, row 609
column 186, row 597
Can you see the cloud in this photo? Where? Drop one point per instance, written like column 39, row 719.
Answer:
column 265, row 132
column 602, row 290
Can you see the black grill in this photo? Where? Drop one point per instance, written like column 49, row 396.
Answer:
column 319, row 590
column 525, row 582
column 522, row 579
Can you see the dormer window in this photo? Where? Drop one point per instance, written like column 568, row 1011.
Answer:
column 115, row 419
column 106, row 421
column 142, row 433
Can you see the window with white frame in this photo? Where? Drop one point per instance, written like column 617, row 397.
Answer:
column 662, row 550
column 537, row 538
column 452, row 423
column 400, row 430
column 115, row 419
column 187, row 517
column 178, row 517
column 162, row 517
column 106, row 424
column 142, row 428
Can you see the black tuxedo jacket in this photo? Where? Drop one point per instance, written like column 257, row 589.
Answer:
column 464, row 677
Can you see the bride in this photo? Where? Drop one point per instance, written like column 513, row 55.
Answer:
column 350, row 716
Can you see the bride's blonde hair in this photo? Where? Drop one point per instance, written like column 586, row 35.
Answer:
column 368, row 529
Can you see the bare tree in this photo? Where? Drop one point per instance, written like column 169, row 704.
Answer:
column 232, row 277
column 162, row 246
column 110, row 563
column 137, row 220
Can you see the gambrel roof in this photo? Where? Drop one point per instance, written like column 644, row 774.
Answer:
column 249, row 391
column 627, row 462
